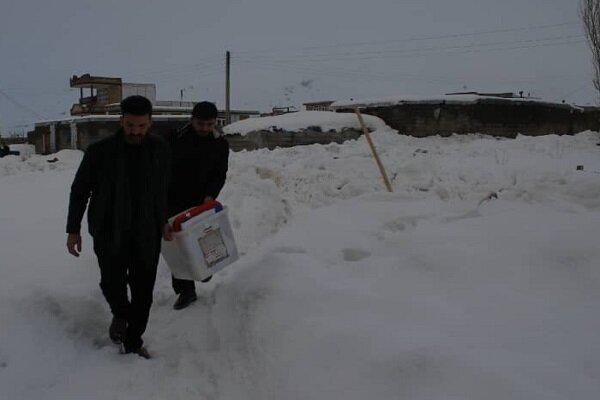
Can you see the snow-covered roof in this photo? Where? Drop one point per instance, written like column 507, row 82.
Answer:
column 109, row 117
column 441, row 99
column 325, row 120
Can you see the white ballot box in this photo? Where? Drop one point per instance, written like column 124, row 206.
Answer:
column 202, row 244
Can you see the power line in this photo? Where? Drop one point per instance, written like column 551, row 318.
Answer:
column 341, row 73
column 459, row 50
column 408, row 52
column 11, row 127
column 24, row 107
column 572, row 92
column 419, row 38
column 336, row 72
column 207, row 65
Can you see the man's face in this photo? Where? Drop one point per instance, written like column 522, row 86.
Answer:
column 135, row 127
column 204, row 126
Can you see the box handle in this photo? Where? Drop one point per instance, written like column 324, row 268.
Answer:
column 191, row 213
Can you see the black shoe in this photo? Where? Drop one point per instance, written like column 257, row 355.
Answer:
column 184, row 300
column 140, row 351
column 206, row 280
column 117, row 330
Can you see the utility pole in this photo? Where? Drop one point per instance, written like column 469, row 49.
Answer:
column 227, row 87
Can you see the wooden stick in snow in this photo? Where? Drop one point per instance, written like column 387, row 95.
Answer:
column 373, row 150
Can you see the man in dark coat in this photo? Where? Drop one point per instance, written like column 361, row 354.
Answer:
column 125, row 177
column 4, row 149
column 199, row 167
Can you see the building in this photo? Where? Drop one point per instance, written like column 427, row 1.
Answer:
column 96, row 114
column 318, row 105
column 279, row 111
column 498, row 114
column 104, row 91
column 77, row 133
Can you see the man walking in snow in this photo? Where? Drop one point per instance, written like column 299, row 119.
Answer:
column 199, row 167
column 125, row 177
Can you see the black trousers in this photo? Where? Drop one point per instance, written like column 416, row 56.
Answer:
column 124, row 267
column 182, row 285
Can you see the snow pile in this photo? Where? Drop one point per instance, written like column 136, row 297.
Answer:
column 477, row 278
column 23, row 149
column 302, row 120
column 29, row 162
column 268, row 188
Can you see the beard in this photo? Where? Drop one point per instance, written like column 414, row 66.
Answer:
column 203, row 133
column 134, row 139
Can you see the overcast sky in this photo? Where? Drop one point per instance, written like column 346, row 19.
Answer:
column 285, row 53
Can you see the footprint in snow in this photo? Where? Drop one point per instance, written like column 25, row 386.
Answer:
column 290, row 250
column 402, row 224
column 354, row 255
column 467, row 215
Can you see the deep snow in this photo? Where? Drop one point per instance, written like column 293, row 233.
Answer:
column 476, row 279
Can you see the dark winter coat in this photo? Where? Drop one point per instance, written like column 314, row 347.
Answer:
column 127, row 187
column 198, row 169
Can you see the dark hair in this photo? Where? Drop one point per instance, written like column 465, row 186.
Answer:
column 205, row 110
column 136, row 105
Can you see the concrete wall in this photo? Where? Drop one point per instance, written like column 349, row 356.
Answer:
column 498, row 118
column 148, row 90
column 13, row 139
column 89, row 132
column 267, row 139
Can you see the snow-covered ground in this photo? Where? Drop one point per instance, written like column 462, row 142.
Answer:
column 25, row 150
column 478, row 278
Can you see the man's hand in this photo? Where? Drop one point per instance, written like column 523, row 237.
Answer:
column 167, row 232
column 74, row 244
column 207, row 199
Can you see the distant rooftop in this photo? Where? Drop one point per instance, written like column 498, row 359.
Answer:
column 87, row 81
column 449, row 98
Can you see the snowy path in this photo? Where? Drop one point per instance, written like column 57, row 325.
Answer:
column 432, row 292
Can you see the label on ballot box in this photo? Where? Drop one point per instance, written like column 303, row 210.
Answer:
column 213, row 247
column 202, row 244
